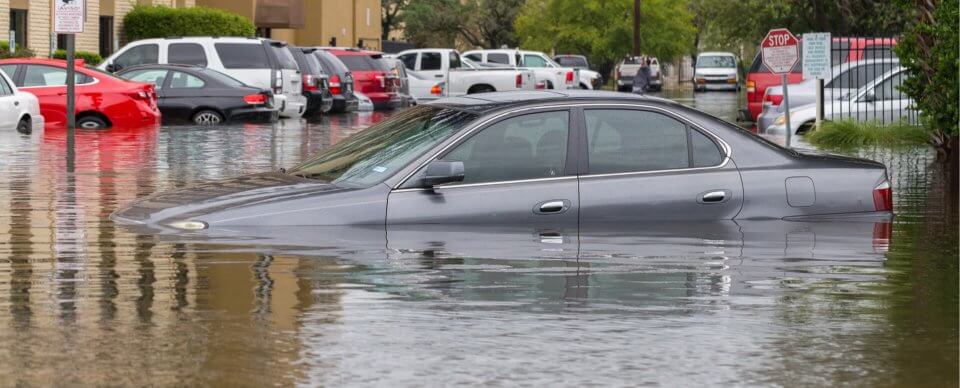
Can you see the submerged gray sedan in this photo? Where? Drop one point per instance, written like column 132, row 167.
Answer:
column 547, row 158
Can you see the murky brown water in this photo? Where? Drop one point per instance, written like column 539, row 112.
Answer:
column 85, row 302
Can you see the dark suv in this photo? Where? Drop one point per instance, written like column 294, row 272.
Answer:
column 316, row 86
column 340, row 80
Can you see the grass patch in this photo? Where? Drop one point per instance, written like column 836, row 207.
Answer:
column 853, row 134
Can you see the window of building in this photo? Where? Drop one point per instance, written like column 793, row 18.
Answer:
column 106, row 36
column 18, row 24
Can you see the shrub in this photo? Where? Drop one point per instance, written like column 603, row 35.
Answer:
column 159, row 22
column 89, row 58
column 22, row 52
column 853, row 134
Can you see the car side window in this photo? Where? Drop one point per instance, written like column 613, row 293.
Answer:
column 409, row 61
column 431, row 61
column 186, row 54
column 533, row 61
column 498, row 58
column 525, row 147
column 705, row 152
column 11, row 70
column 474, row 57
column 889, row 89
column 621, row 141
column 242, row 55
column 41, row 75
column 455, row 61
column 5, row 89
column 152, row 76
column 144, row 54
column 181, row 80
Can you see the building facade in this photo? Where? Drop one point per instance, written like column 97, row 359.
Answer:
column 28, row 23
column 349, row 23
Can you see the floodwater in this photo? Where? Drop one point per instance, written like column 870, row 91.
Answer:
column 86, row 302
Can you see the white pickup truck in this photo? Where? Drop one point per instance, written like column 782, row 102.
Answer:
column 460, row 77
column 548, row 72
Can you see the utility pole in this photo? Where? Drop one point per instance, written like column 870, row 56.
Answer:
column 636, row 28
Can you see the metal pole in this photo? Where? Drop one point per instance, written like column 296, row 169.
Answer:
column 786, row 105
column 71, row 99
column 819, row 102
column 636, row 28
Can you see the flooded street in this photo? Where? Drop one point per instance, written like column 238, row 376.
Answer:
column 84, row 301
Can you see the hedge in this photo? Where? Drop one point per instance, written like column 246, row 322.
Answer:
column 89, row 58
column 22, row 52
column 145, row 22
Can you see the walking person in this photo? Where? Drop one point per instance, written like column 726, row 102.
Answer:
column 642, row 79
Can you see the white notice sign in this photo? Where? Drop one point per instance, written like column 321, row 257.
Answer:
column 816, row 55
column 68, row 16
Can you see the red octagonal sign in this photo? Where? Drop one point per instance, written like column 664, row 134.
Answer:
column 779, row 51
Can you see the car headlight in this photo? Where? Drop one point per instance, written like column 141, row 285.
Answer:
column 188, row 225
column 781, row 120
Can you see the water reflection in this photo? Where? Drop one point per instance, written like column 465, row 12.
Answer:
column 86, row 302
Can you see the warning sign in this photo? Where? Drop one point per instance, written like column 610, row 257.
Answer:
column 779, row 51
column 68, row 16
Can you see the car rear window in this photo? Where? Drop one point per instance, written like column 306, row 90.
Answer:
column 363, row 62
column 330, row 63
column 572, row 61
column 283, row 56
column 222, row 78
column 243, row 55
column 313, row 64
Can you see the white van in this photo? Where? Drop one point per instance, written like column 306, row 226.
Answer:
column 716, row 71
column 257, row 62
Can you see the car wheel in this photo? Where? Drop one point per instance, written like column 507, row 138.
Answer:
column 91, row 122
column 207, row 117
column 24, row 126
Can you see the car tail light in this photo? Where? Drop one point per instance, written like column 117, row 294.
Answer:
column 310, row 83
column 436, row 90
column 569, row 77
column 278, row 82
column 255, row 99
column 335, row 84
column 751, row 86
column 519, row 81
column 883, row 197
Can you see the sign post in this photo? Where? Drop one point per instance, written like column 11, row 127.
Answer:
column 779, row 53
column 68, row 18
column 816, row 64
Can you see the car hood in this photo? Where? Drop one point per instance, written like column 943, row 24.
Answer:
column 210, row 198
column 716, row 71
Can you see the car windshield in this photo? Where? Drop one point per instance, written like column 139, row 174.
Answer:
column 716, row 61
column 378, row 152
column 577, row 62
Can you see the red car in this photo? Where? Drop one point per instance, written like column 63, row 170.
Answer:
column 759, row 78
column 103, row 100
column 371, row 76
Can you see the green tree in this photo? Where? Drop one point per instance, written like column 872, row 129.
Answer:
column 473, row 23
column 390, row 15
column 603, row 29
column 928, row 50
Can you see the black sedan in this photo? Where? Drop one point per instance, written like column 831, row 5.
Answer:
column 198, row 95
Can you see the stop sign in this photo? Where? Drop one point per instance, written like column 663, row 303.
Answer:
column 779, row 51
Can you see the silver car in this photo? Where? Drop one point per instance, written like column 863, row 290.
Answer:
column 552, row 158
column 880, row 100
column 847, row 78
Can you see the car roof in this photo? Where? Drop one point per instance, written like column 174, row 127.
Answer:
column 485, row 102
column 717, row 53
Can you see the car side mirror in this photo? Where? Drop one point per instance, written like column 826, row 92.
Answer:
column 869, row 96
column 112, row 68
column 439, row 172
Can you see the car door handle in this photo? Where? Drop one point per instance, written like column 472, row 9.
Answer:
column 16, row 103
column 714, row 196
column 555, row 206
column 439, row 76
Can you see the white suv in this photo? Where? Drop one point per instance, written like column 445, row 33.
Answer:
column 257, row 62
